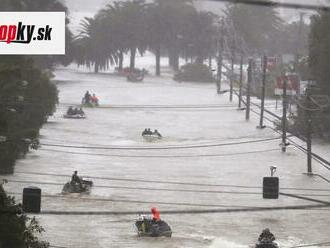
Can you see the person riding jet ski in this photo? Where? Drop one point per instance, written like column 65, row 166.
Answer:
column 149, row 132
column 76, row 179
column 155, row 214
column 87, row 97
column 145, row 132
column 80, row 111
column 266, row 235
column 152, row 226
column 157, row 133
column 94, row 99
column 70, row 111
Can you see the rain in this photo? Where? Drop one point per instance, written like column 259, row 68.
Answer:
column 196, row 115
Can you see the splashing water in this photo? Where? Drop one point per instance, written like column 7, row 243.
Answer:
column 221, row 243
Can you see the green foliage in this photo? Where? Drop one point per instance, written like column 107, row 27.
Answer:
column 320, row 121
column 291, row 38
column 258, row 26
column 27, row 98
column 172, row 27
column 319, row 58
column 91, row 46
column 194, row 73
column 115, row 29
column 16, row 229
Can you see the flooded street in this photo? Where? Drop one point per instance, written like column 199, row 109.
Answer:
column 210, row 158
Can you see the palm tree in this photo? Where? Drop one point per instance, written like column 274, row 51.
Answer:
column 200, row 35
column 257, row 25
column 91, row 45
column 156, row 30
column 112, row 18
column 133, row 25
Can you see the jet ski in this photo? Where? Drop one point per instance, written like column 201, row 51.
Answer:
column 151, row 137
column 75, row 116
column 135, row 77
column 74, row 187
column 147, row 227
column 266, row 243
column 89, row 104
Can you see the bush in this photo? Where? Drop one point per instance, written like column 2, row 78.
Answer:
column 27, row 98
column 16, row 229
column 194, row 73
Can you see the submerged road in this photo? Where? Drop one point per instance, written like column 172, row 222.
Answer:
column 212, row 149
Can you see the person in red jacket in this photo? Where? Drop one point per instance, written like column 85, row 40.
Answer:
column 155, row 214
column 95, row 99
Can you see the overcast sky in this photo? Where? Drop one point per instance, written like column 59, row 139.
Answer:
column 81, row 8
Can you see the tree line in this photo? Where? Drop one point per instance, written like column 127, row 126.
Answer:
column 172, row 28
column 316, row 104
column 27, row 95
column 177, row 29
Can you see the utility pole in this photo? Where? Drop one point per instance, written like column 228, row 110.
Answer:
column 299, row 46
column 232, row 73
column 308, row 113
column 219, row 72
column 219, row 62
column 284, row 104
column 263, row 92
column 247, row 113
column 240, row 82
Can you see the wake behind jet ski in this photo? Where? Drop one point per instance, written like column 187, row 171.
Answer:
column 266, row 240
column 77, row 185
column 147, row 226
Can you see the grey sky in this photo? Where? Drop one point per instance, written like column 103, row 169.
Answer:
column 82, row 8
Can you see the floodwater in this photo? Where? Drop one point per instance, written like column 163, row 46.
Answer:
column 126, row 109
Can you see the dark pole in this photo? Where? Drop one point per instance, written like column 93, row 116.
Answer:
column 219, row 72
column 263, row 92
column 247, row 113
column 240, row 83
column 299, row 41
column 232, row 74
column 309, row 133
column 284, row 78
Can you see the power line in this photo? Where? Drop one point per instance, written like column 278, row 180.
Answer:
column 161, row 156
column 273, row 4
column 148, row 188
column 309, row 245
column 183, row 190
column 316, row 157
column 161, row 148
column 305, row 198
column 133, row 106
column 137, row 201
column 174, row 212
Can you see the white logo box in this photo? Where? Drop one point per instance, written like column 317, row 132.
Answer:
column 55, row 22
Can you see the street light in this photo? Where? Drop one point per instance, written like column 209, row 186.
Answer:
column 272, row 170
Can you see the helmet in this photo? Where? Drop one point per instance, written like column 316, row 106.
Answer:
column 266, row 230
column 75, row 172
